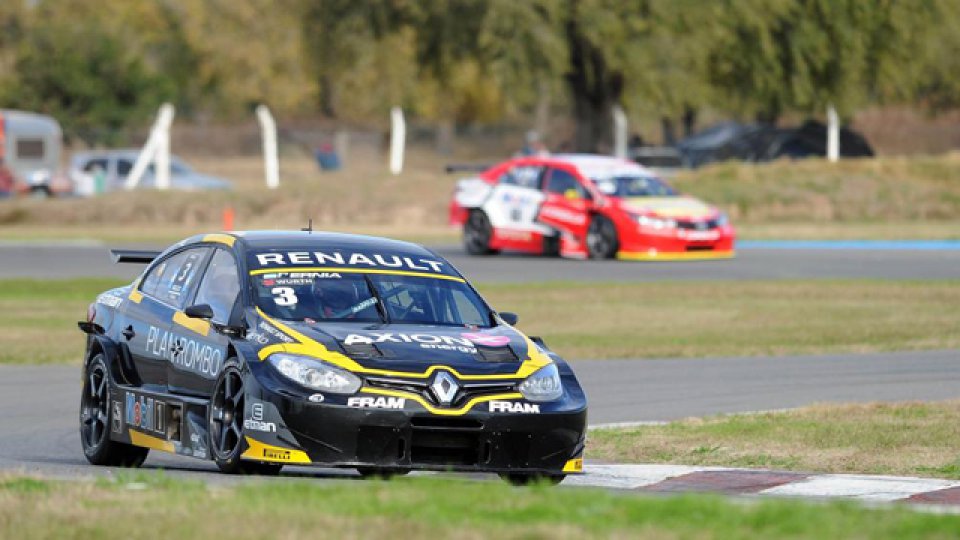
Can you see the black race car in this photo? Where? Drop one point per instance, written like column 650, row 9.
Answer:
column 262, row 349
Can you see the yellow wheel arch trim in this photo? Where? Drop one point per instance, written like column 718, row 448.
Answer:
column 341, row 270
column 441, row 412
column 674, row 256
column 219, row 237
column 148, row 441
column 311, row 348
column 261, row 451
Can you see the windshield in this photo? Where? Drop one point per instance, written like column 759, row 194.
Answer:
column 369, row 298
column 633, row 186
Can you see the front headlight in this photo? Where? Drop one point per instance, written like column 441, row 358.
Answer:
column 722, row 220
column 315, row 374
column 544, row 385
column 655, row 223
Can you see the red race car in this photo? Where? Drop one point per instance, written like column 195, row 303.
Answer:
column 585, row 206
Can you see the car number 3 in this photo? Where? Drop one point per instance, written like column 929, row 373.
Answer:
column 284, row 296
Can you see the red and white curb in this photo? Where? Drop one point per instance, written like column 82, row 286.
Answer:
column 684, row 478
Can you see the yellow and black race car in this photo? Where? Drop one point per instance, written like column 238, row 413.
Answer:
column 263, row 349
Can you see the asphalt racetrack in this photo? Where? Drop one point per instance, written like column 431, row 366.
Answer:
column 40, row 403
column 60, row 261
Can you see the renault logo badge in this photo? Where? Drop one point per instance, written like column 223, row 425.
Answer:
column 444, row 387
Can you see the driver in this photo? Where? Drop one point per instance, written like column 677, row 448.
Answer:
column 334, row 296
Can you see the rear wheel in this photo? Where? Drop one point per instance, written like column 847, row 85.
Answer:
column 96, row 419
column 225, row 421
column 477, row 233
column 525, row 479
column 551, row 245
column 602, row 242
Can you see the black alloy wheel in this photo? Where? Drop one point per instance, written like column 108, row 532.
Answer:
column 602, row 242
column 477, row 233
column 225, row 426
column 96, row 420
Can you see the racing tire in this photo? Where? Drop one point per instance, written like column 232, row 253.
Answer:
column 225, row 426
column 96, row 419
column 381, row 473
column 551, row 245
column 477, row 232
column 526, row 479
column 602, row 241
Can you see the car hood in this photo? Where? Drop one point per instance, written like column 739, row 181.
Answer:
column 414, row 348
column 670, row 207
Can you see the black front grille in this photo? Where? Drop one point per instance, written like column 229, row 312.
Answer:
column 698, row 225
column 431, row 447
column 421, row 387
column 699, row 248
column 440, row 422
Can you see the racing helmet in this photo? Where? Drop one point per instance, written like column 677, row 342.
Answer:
column 334, row 295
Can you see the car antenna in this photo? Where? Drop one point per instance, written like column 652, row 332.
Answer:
column 309, row 227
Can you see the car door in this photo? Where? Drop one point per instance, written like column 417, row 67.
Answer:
column 204, row 349
column 566, row 204
column 514, row 201
column 148, row 316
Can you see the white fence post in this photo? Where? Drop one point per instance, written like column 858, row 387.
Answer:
column 833, row 134
column 398, row 136
column 268, row 130
column 619, row 132
column 157, row 149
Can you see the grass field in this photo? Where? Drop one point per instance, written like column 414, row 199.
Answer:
column 896, row 197
column 639, row 320
column 915, row 439
column 423, row 508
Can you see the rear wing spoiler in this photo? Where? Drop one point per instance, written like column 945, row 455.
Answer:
column 466, row 167
column 137, row 256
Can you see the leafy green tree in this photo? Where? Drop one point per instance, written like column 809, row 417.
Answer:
column 773, row 56
column 85, row 78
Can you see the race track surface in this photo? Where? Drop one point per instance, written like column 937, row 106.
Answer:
column 58, row 261
column 40, row 403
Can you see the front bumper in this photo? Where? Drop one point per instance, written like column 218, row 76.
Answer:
column 332, row 434
column 677, row 244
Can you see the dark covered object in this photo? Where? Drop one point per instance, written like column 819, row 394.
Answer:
column 760, row 142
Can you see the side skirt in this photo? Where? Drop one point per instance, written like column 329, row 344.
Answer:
column 159, row 421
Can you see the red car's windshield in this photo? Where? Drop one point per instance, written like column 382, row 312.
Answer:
column 633, row 186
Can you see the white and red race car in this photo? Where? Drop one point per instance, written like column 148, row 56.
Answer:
column 585, row 206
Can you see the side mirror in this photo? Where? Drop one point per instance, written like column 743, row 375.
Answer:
column 199, row 311
column 510, row 318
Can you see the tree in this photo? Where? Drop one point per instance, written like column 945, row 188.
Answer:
column 85, row 78
column 772, row 56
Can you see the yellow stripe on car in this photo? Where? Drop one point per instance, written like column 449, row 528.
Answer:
column 135, row 296
column 674, row 256
column 199, row 326
column 311, row 348
column 355, row 271
column 261, row 451
column 148, row 441
column 219, row 237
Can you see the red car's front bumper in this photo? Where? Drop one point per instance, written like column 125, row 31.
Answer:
column 675, row 244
